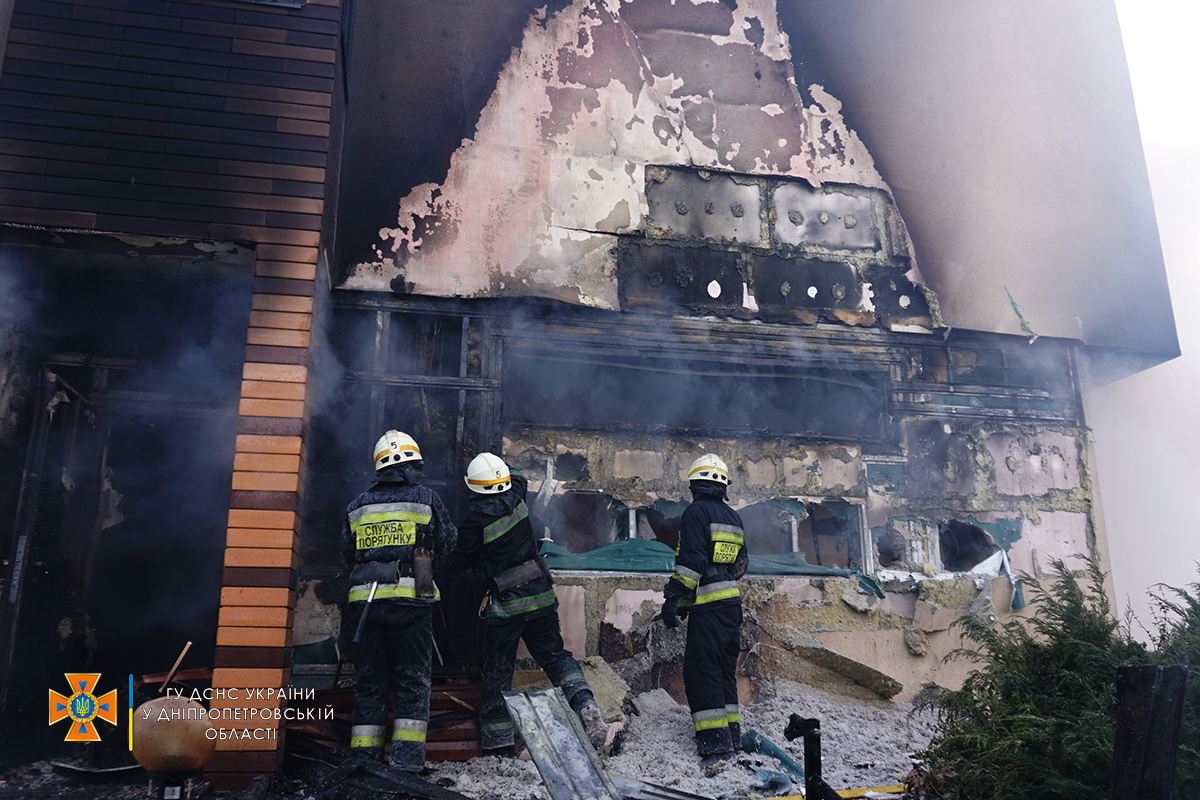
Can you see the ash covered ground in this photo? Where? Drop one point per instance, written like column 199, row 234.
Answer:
column 864, row 743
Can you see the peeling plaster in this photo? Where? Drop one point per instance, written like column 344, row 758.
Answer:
column 534, row 203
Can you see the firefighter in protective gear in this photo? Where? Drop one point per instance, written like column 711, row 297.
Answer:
column 389, row 534
column 496, row 543
column 709, row 559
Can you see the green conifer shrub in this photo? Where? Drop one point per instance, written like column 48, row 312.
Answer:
column 1036, row 720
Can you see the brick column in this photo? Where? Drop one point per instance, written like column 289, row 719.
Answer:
column 258, row 598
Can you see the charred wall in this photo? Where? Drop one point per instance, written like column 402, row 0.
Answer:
column 121, row 424
column 925, row 462
column 193, row 125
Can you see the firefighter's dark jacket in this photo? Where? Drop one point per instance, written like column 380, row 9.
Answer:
column 711, row 554
column 495, row 536
column 383, row 526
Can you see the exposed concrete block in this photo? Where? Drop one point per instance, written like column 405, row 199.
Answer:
column 878, row 682
column 929, row 617
column 609, row 689
column 653, row 702
column 859, row 600
column 831, row 471
column 627, row 608
column 801, row 590
column 797, row 471
column 572, row 620
column 645, row 464
column 900, row 603
column 766, row 662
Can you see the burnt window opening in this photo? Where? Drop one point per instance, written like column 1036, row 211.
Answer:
column 964, row 546
column 768, row 528
column 585, row 521
column 832, row 530
column 369, row 341
column 654, row 523
column 409, row 370
column 891, row 549
column 827, row 534
column 571, row 467
column 588, row 391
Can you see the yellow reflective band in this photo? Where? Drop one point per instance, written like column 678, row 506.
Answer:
column 708, row 469
column 709, row 724
column 722, row 536
column 474, row 482
column 685, row 580
column 722, row 594
column 366, row 741
column 406, row 735
column 414, row 517
column 403, row 447
column 733, row 717
column 505, row 524
column 405, row 590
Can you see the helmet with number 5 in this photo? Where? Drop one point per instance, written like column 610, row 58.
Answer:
column 488, row 474
column 395, row 447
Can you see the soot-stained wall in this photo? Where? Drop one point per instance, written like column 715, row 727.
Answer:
column 1025, row 222
column 533, row 202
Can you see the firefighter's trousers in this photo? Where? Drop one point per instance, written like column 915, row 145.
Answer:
column 393, row 657
column 710, row 677
column 544, row 640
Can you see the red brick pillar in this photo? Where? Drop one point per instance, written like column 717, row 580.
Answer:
column 258, row 598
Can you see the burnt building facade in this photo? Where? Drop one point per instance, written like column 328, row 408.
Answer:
column 241, row 239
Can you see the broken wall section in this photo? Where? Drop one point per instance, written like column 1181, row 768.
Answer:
column 965, row 491
column 600, row 113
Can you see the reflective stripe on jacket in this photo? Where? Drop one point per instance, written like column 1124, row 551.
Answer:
column 497, row 535
column 710, row 556
column 383, row 526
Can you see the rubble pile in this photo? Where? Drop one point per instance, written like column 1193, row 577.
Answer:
column 865, row 743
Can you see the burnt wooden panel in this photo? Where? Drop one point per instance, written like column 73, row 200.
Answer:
column 198, row 119
column 1148, row 718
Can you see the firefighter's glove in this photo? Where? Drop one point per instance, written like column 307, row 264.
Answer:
column 670, row 612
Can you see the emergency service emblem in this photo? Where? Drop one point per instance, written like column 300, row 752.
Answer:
column 83, row 707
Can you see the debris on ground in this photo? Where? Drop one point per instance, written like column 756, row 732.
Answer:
column 864, row 744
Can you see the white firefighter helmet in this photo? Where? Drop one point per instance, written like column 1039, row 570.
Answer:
column 709, row 467
column 488, row 474
column 395, row 447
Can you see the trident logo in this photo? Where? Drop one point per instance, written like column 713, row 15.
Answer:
column 83, row 707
